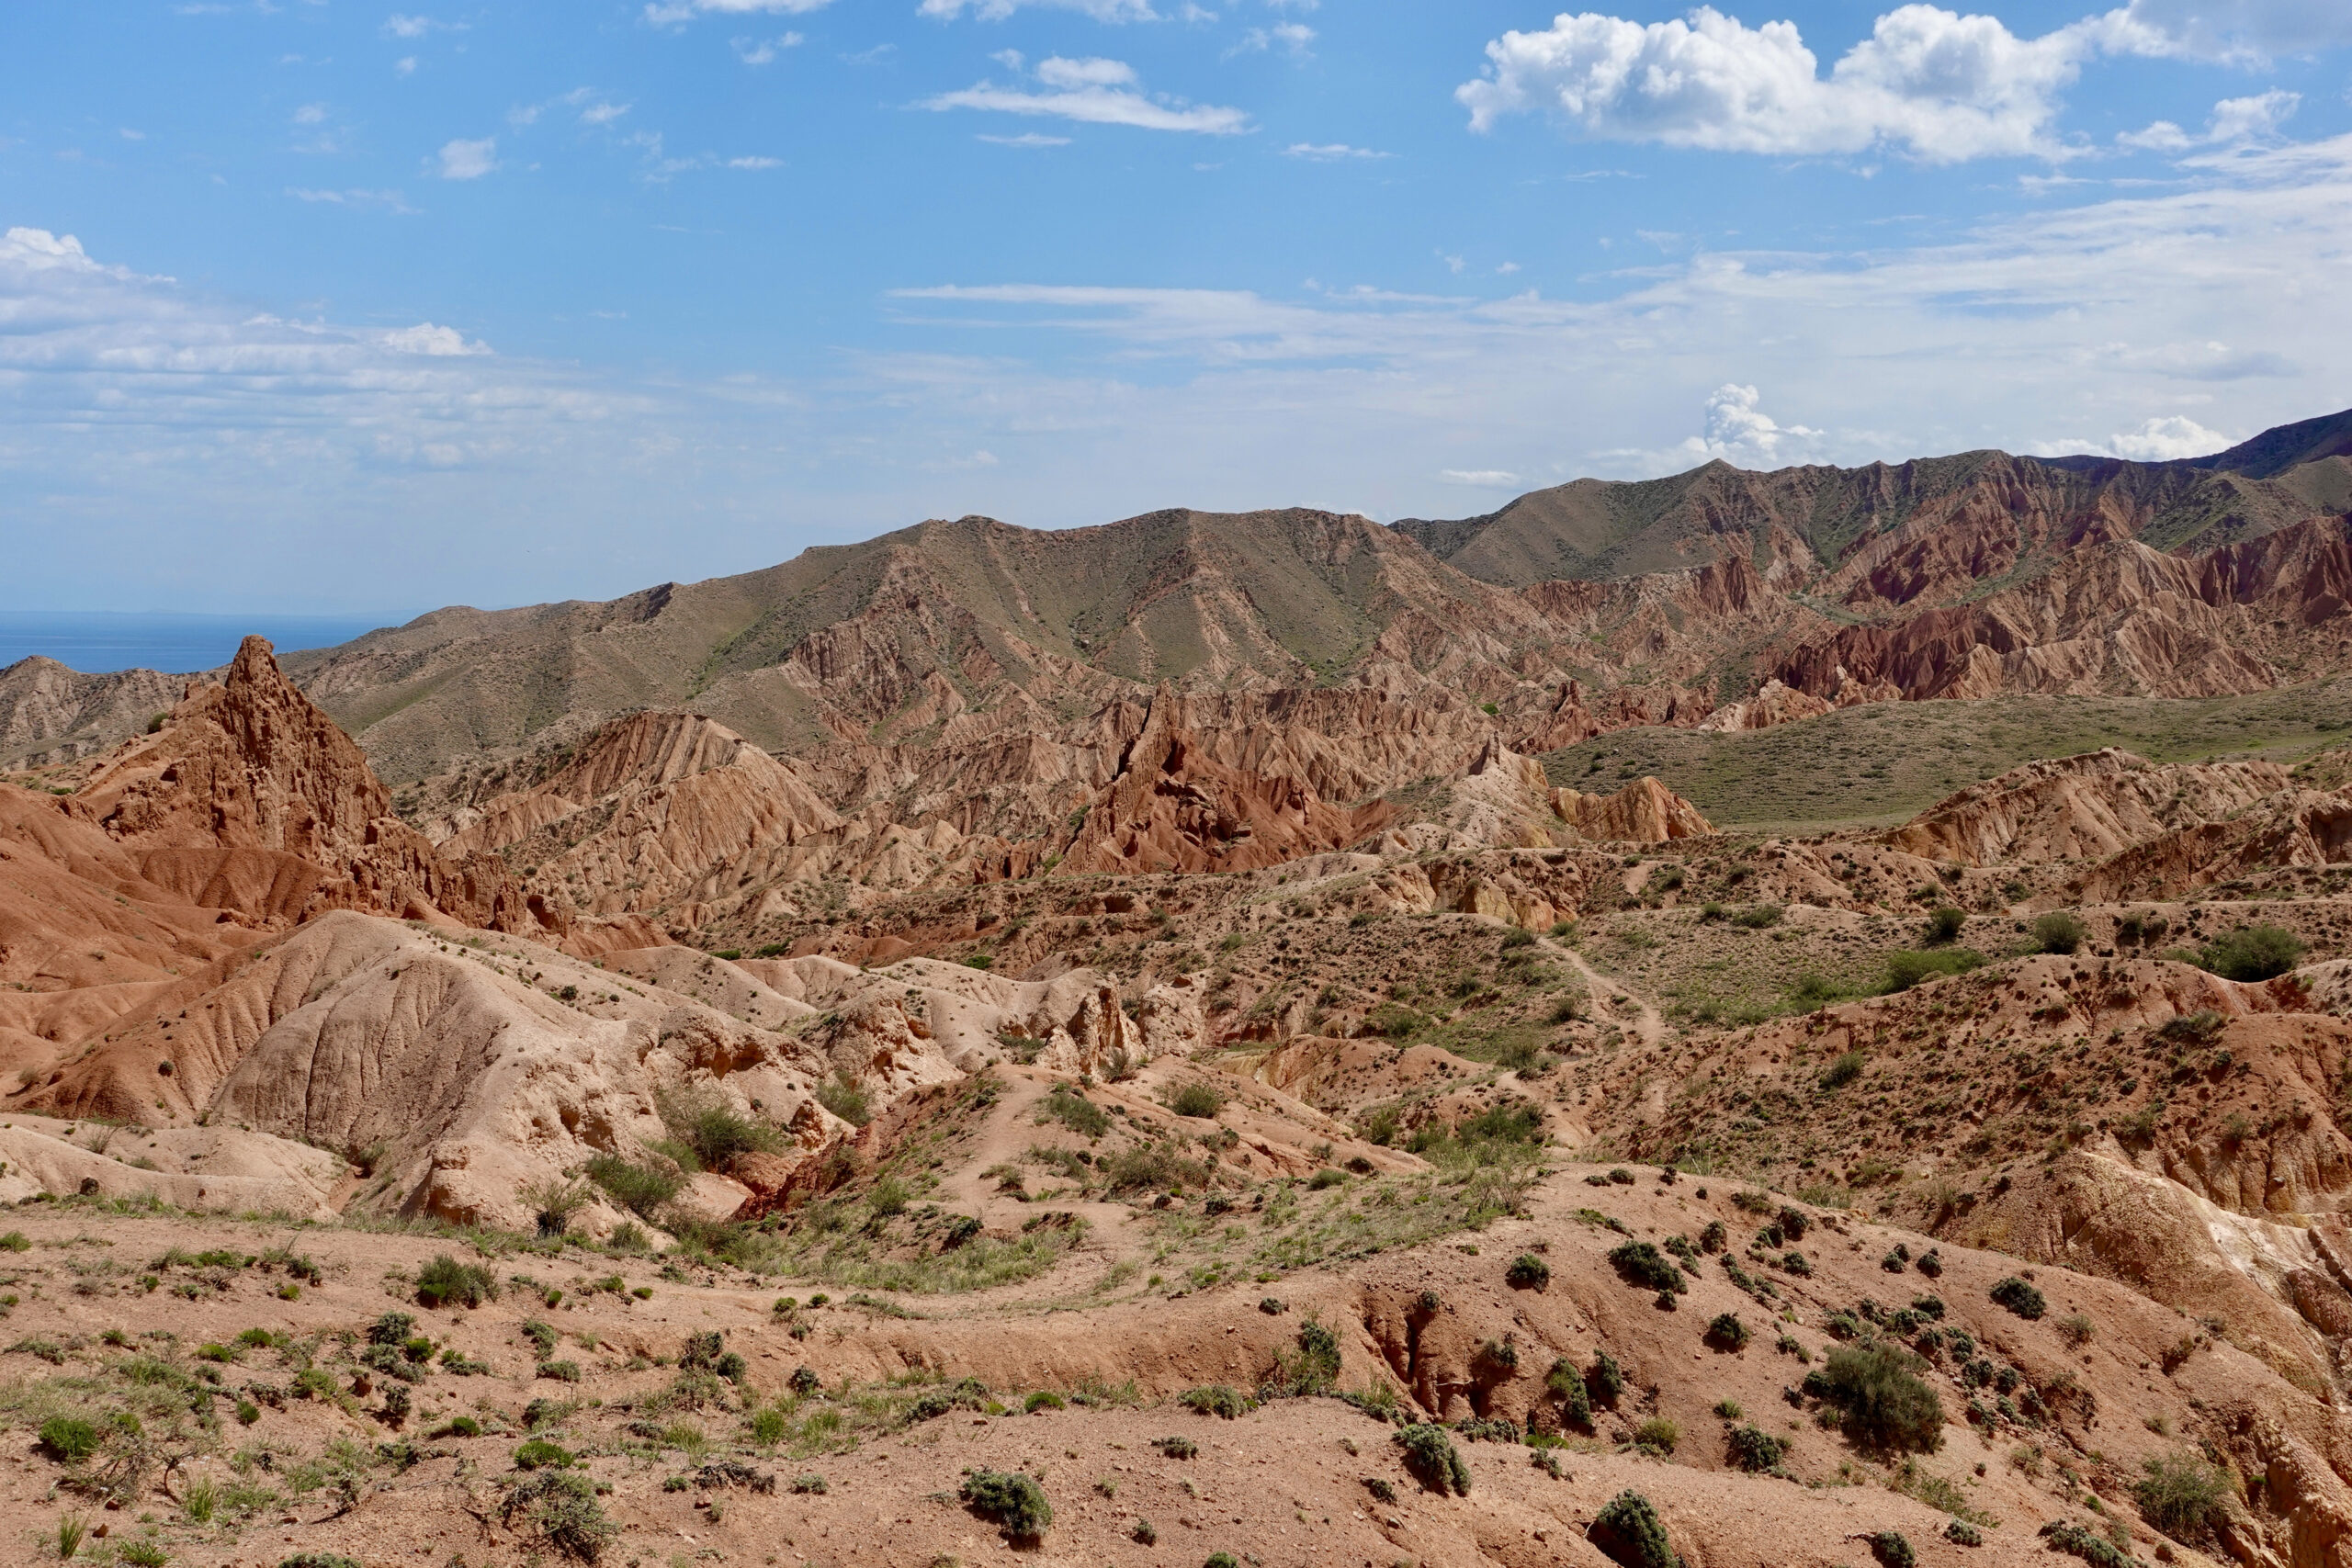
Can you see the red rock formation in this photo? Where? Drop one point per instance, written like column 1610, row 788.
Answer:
column 251, row 799
column 2085, row 807
column 1174, row 808
column 1643, row 812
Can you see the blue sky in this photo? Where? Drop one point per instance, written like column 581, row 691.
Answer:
column 331, row 307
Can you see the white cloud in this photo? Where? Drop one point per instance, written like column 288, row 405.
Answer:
column 468, row 159
column 677, row 13
column 1944, row 87
column 399, row 26
column 1026, row 139
column 763, row 51
column 2234, row 120
column 436, row 343
column 1330, row 151
column 998, row 10
column 310, row 114
column 405, row 65
column 1739, row 432
column 1292, row 36
column 2236, row 31
column 602, row 114
column 1095, row 92
column 755, row 160
column 130, row 135
column 2160, row 440
column 389, row 200
column 1484, row 478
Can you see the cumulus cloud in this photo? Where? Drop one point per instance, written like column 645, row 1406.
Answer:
column 1094, row 92
column 677, row 13
column 468, row 159
column 1739, row 432
column 998, row 10
column 2233, row 32
column 2234, row 120
column 2164, row 439
column 436, row 343
column 1943, row 87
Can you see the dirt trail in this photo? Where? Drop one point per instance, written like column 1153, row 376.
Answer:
column 1648, row 1024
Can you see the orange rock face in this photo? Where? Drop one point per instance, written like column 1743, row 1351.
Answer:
column 250, row 799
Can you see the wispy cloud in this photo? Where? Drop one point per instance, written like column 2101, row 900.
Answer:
column 677, row 13
column 1482, row 478
column 406, row 26
column 998, row 10
column 763, row 51
column 1095, row 92
column 390, row 201
column 468, row 159
column 1026, row 139
column 1330, row 152
column 1292, row 37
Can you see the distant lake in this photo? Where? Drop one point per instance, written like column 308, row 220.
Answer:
column 177, row 645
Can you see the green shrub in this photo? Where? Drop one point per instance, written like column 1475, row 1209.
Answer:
column 1013, row 1502
column 1628, row 1531
column 445, row 1280
column 2058, row 932
column 15, row 1241
column 2183, row 1496
column 69, row 1438
column 1893, row 1550
column 2251, row 952
column 1075, row 1111
column 560, row 1372
column 1960, row 1532
column 316, row 1560
column 1657, row 1435
column 846, row 1100
column 2065, row 1535
column 809, row 1485
column 1882, row 1403
column 1906, row 968
column 1528, row 1272
column 540, row 1454
column 1198, row 1099
column 1759, row 917
column 1043, row 1399
column 456, row 1426
column 1639, row 1263
column 1727, row 1333
column 1944, row 925
column 1177, row 1448
column 560, row 1506
column 640, row 1189
column 2019, row 1298
column 1434, row 1459
column 1607, row 1379
column 1843, row 1071
column 1566, row 1380
column 715, row 1130
column 1216, row 1399
column 1754, row 1450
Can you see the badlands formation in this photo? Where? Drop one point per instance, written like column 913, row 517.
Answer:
column 1752, row 1019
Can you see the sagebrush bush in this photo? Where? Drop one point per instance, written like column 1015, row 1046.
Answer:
column 1013, row 1502
column 1944, row 925
column 1528, row 1272
column 2058, row 932
column 1893, row 1550
column 2261, row 951
column 1906, row 969
column 2183, row 1496
column 1882, row 1402
column 1216, row 1399
column 2021, row 1297
column 1566, row 1379
column 445, row 1282
column 640, row 1188
column 560, row 1507
column 1430, row 1455
column 1607, row 1379
column 1639, row 1263
column 1727, row 1333
column 1754, row 1450
column 1627, row 1531
column 1196, row 1099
